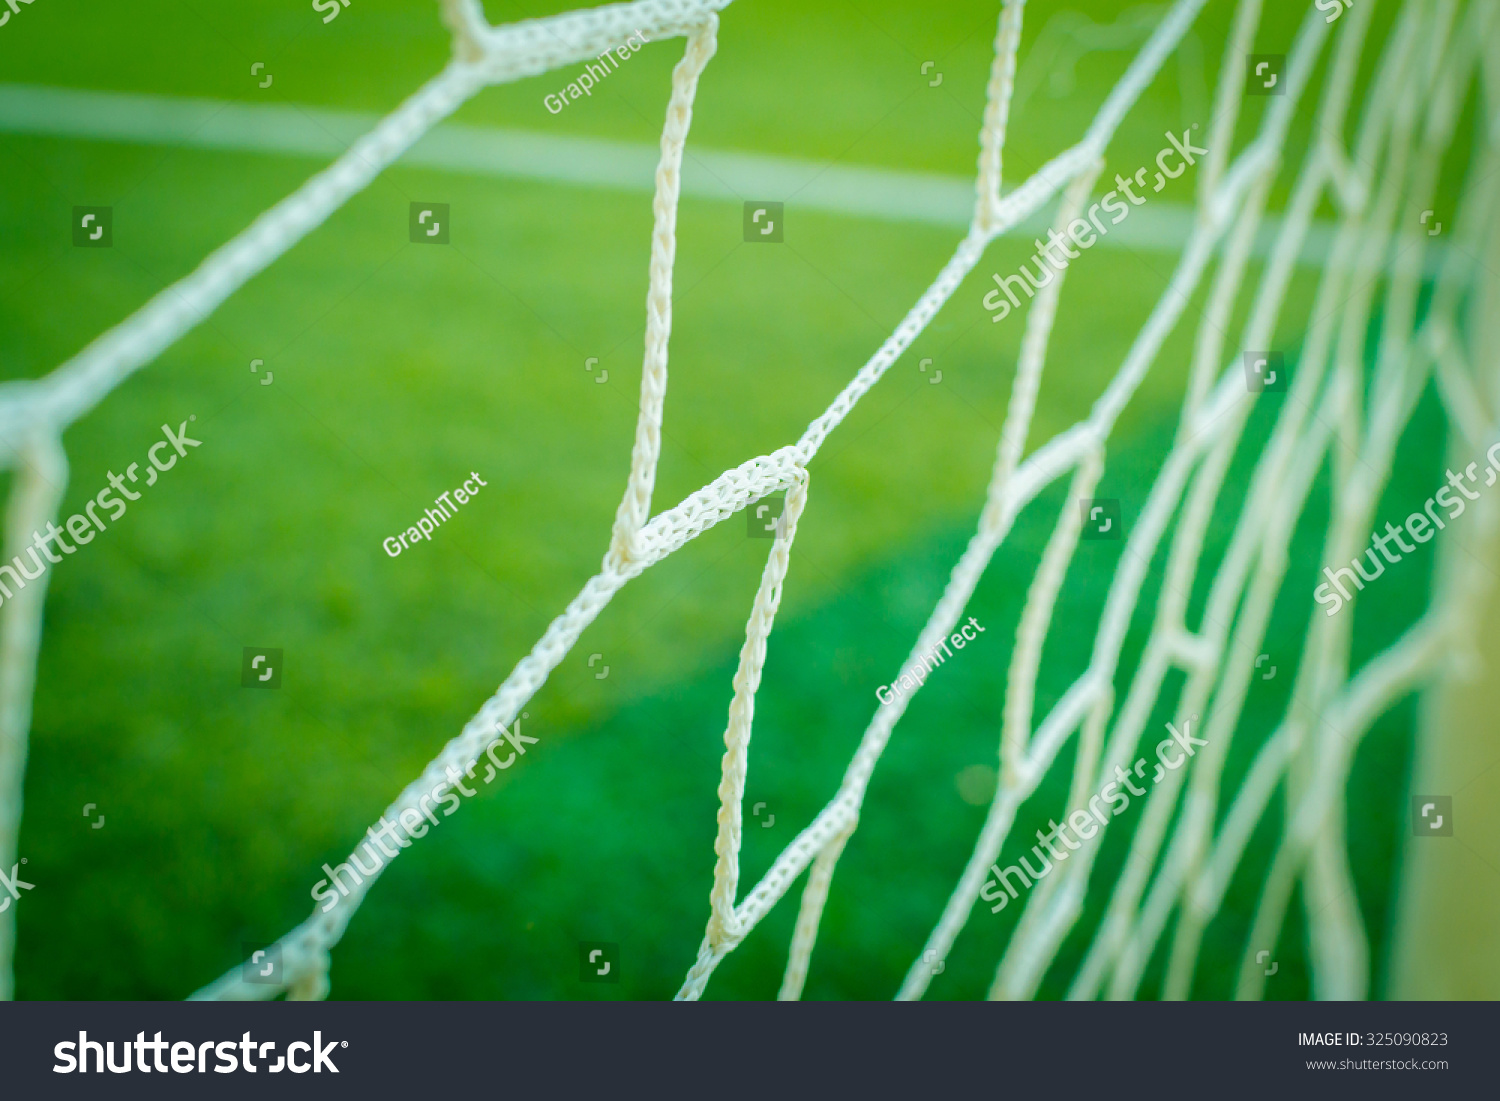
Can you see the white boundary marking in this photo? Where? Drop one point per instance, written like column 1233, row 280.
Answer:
column 882, row 194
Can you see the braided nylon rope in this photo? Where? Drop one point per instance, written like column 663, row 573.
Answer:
column 1331, row 414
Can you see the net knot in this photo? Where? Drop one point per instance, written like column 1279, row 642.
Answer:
column 466, row 19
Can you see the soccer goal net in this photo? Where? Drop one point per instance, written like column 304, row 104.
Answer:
column 1395, row 309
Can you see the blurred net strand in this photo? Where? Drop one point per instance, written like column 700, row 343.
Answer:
column 1339, row 952
column 1339, row 945
column 1022, row 771
column 1047, row 920
column 1087, row 700
column 1275, row 502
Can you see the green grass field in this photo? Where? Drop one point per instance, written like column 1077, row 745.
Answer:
column 400, row 369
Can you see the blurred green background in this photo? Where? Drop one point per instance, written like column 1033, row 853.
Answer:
column 400, row 369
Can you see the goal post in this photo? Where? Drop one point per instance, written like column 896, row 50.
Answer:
column 1447, row 930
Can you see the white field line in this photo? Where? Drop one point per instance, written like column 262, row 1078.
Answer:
column 319, row 133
